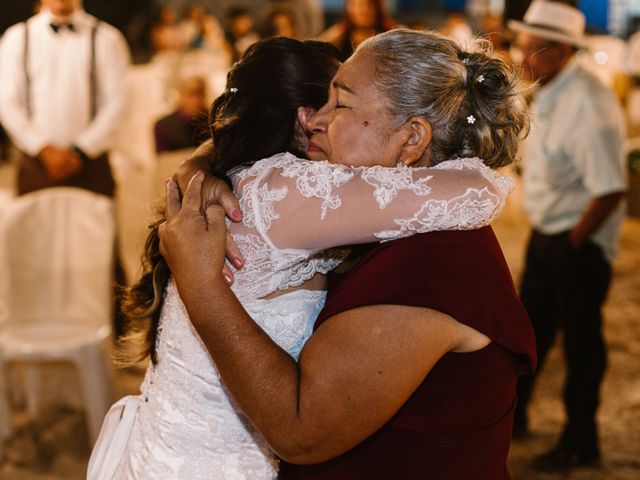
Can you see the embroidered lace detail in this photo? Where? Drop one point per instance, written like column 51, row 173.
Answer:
column 457, row 194
column 317, row 179
column 436, row 214
column 504, row 184
column 389, row 181
column 187, row 427
column 473, row 209
column 258, row 205
column 267, row 270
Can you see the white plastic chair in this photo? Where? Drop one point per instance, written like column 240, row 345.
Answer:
column 5, row 200
column 5, row 420
column 58, row 256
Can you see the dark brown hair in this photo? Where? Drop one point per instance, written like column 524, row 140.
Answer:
column 255, row 118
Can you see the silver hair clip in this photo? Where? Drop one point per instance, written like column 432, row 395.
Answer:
column 480, row 79
column 465, row 60
column 233, row 90
column 471, row 119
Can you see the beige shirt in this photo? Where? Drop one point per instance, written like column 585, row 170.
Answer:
column 573, row 154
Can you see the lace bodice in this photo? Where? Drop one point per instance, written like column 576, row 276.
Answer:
column 187, row 427
column 295, row 209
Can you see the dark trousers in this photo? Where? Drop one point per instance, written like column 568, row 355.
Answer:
column 563, row 287
column 95, row 176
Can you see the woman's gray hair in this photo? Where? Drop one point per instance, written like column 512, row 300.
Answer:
column 472, row 100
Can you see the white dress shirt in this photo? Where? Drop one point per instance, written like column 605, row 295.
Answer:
column 573, row 154
column 59, row 66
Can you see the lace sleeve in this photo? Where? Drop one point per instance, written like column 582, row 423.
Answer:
column 306, row 205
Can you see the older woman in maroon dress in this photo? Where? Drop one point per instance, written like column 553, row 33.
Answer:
column 411, row 370
column 457, row 423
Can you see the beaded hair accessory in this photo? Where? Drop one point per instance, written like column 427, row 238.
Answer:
column 233, row 90
column 466, row 61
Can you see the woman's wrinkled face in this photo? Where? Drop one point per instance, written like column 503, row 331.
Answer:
column 354, row 127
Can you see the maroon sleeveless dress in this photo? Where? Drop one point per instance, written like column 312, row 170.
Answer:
column 457, row 424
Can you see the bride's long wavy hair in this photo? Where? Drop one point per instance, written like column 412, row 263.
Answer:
column 254, row 118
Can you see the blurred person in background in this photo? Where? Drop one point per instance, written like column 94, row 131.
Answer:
column 193, row 25
column 165, row 33
column 202, row 31
column 240, row 31
column 573, row 185
column 457, row 28
column 310, row 15
column 280, row 21
column 187, row 125
column 362, row 19
column 494, row 31
column 63, row 90
column 633, row 97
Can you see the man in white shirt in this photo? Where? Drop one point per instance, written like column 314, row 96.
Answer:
column 63, row 89
column 573, row 185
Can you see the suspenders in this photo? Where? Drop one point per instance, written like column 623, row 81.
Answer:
column 95, row 174
column 25, row 66
column 93, row 80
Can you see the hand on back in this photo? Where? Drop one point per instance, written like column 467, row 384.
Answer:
column 211, row 191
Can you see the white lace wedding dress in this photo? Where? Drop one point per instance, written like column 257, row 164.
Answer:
column 186, row 426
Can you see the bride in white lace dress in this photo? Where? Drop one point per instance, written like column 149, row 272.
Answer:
column 294, row 210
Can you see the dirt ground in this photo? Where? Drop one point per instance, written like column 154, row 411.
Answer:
column 55, row 446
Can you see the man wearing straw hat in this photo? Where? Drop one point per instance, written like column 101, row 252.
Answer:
column 573, row 185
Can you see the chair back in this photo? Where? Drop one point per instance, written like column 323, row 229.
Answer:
column 59, row 245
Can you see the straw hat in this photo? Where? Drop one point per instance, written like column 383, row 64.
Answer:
column 554, row 21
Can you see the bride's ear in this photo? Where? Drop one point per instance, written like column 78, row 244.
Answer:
column 418, row 133
column 304, row 114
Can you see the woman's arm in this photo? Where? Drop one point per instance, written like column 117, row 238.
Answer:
column 354, row 373
column 301, row 204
